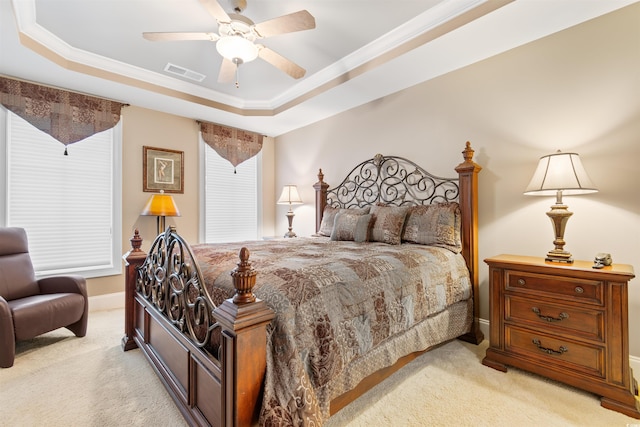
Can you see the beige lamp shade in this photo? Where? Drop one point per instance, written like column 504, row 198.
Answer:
column 289, row 196
column 560, row 171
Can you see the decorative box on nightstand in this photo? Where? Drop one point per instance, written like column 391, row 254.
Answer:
column 567, row 322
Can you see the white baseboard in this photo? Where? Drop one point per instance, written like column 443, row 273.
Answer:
column 106, row 302
column 484, row 327
column 634, row 361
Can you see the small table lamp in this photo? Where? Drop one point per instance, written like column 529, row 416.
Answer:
column 161, row 205
column 558, row 174
column 290, row 195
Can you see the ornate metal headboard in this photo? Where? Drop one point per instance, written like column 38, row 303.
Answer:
column 394, row 181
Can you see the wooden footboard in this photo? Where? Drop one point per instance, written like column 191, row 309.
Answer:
column 169, row 321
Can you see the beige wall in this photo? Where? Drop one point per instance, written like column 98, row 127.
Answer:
column 143, row 127
column 577, row 90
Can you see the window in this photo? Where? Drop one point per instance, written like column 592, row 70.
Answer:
column 230, row 201
column 69, row 205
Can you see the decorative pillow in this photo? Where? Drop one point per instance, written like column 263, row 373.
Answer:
column 436, row 225
column 388, row 223
column 329, row 215
column 351, row 226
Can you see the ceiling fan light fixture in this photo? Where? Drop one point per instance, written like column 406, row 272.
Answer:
column 232, row 47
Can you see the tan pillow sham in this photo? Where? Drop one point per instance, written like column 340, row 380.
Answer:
column 388, row 223
column 329, row 215
column 436, row 225
column 351, row 226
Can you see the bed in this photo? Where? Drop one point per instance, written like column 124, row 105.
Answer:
column 289, row 331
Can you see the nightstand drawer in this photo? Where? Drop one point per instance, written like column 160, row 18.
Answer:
column 591, row 291
column 555, row 351
column 548, row 316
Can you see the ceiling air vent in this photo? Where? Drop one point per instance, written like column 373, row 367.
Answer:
column 184, row 72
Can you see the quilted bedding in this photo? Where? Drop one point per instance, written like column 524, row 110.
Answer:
column 343, row 311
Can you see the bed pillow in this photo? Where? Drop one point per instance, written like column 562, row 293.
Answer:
column 436, row 225
column 351, row 226
column 329, row 215
column 387, row 223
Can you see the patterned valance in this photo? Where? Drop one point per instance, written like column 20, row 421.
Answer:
column 67, row 116
column 235, row 145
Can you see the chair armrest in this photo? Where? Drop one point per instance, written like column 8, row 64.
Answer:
column 56, row 284
column 7, row 337
column 5, row 318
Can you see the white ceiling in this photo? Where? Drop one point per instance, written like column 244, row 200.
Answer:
column 359, row 51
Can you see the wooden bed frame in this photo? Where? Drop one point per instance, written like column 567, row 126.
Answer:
column 225, row 389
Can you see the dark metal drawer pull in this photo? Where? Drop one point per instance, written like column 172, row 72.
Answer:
column 561, row 350
column 562, row 315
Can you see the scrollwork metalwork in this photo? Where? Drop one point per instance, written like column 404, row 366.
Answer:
column 393, row 181
column 171, row 280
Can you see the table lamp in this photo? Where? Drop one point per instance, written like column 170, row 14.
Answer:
column 290, row 195
column 558, row 174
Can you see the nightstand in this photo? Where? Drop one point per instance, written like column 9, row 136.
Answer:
column 567, row 322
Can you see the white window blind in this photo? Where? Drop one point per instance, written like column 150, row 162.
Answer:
column 67, row 204
column 230, row 199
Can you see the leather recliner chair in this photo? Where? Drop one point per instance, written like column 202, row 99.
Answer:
column 30, row 307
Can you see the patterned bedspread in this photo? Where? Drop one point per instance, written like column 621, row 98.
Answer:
column 343, row 311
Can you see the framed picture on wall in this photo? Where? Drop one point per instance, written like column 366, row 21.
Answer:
column 162, row 169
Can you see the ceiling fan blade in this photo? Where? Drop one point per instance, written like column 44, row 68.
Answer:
column 180, row 36
column 214, row 8
column 227, row 71
column 297, row 21
column 280, row 62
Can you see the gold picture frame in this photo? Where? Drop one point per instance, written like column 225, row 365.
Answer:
column 162, row 169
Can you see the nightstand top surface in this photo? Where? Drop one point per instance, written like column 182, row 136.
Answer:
column 577, row 265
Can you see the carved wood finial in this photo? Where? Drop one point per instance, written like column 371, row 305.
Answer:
column 244, row 279
column 468, row 164
column 320, row 184
column 468, row 152
column 136, row 241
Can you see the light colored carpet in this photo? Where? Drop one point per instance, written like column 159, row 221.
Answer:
column 61, row 380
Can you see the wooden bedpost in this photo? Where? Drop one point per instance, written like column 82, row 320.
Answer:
column 321, row 198
column 468, row 200
column 244, row 320
column 132, row 260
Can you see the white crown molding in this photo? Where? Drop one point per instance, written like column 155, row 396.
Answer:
column 422, row 23
column 25, row 12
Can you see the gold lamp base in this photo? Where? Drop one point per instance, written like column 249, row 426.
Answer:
column 559, row 216
column 559, row 256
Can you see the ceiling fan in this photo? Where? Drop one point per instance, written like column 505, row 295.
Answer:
column 237, row 35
